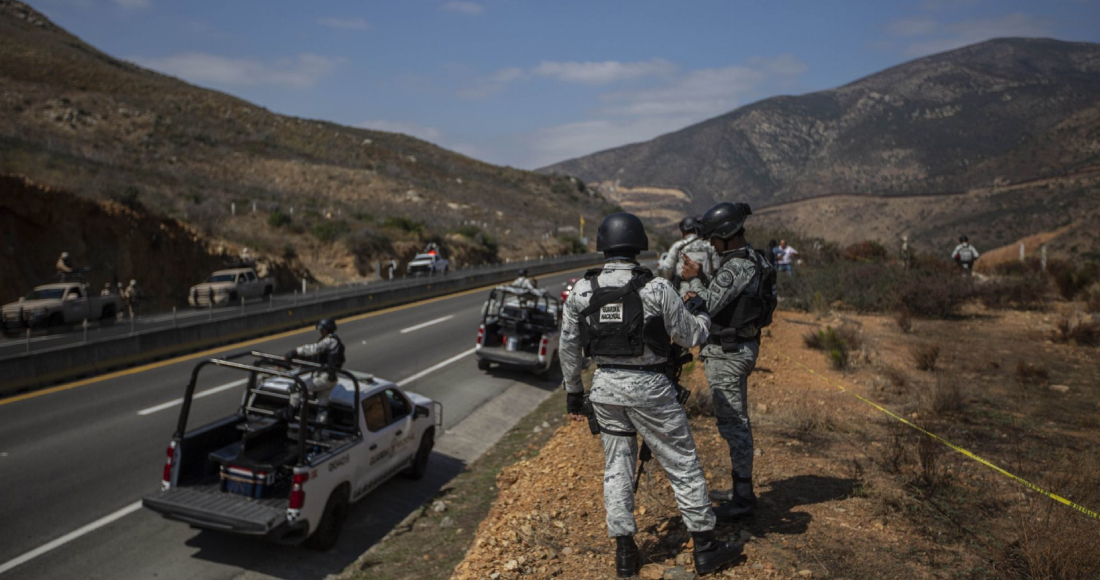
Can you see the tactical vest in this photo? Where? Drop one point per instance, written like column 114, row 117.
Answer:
column 335, row 357
column 755, row 305
column 614, row 325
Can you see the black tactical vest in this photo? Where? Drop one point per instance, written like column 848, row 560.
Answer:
column 333, row 358
column 614, row 325
column 756, row 304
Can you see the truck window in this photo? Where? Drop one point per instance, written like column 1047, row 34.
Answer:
column 221, row 278
column 399, row 405
column 73, row 294
column 374, row 412
column 251, row 276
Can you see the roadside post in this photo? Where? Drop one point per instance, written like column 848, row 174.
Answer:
column 1043, row 256
column 173, row 317
column 210, row 310
column 1021, row 252
column 28, row 341
column 132, row 324
column 242, row 304
column 85, row 325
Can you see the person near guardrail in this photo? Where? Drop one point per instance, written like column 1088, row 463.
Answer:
column 64, row 266
column 327, row 352
column 624, row 317
column 391, row 267
column 132, row 296
column 741, row 298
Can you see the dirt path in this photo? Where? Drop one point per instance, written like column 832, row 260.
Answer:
column 844, row 492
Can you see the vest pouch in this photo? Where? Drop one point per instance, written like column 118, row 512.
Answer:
column 729, row 341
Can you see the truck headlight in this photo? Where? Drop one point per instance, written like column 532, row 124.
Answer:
column 39, row 311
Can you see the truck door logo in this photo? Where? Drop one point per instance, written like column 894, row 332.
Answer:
column 338, row 463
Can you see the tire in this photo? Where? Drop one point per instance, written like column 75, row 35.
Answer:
column 108, row 312
column 55, row 319
column 446, row 269
column 332, row 520
column 419, row 467
column 232, row 298
column 483, row 365
column 268, row 290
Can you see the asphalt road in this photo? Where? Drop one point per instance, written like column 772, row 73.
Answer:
column 73, row 457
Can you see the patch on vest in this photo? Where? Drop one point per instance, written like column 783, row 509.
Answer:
column 611, row 312
column 724, row 278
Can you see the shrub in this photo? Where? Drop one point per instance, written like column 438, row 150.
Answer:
column 945, row 396
column 806, row 416
column 367, row 243
column 1025, row 292
column 865, row 251
column 330, row 231
column 1082, row 332
column 404, row 224
column 574, row 244
column 1072, row 280
column 1028, row 374
column 1093, row 301
column 129, row 197
column 933, row 292
column 278, row 219
column 895, row 377
column 836, row 343
column 925, row 356
column 904, row 321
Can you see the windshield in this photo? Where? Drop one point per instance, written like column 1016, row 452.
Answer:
column 222, row 278
column 423, row 257
column 46, row 294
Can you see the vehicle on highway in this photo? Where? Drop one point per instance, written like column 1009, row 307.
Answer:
column 229, row 286
column 520, row 328
column 568, row 289
column 65, row 302
column 275, row 469
column 430, row 261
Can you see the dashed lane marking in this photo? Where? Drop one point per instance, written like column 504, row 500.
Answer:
column 426, row 324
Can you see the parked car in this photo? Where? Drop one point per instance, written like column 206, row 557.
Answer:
column 283, row 467
column 60, row 303
column 226, row 287
column 430, row 262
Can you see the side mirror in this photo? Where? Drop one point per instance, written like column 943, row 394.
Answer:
column 421, row 411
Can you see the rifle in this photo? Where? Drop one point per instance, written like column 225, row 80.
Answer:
column 677, row 358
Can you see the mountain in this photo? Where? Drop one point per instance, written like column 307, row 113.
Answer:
column 335, row 198
column 996, row 113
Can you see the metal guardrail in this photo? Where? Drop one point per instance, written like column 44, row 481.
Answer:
column 171, row 337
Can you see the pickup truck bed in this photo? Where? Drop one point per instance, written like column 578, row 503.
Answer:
column 207, row 506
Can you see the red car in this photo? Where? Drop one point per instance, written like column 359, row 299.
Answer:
column 568, row 289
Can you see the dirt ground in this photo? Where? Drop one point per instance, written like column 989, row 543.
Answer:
column 846, row 492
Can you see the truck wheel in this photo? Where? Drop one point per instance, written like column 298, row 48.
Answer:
column 56, row 319
column 419, row 467
column 446, row 269
column 108, row 312
column 483, row 365
column 332, row 520
column 267, row 291
column 232, row 297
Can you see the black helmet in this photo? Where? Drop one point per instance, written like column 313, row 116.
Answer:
column 621, row 231
column 326, row 324
column 725, row 220
column 963, row 238
column 689, row 224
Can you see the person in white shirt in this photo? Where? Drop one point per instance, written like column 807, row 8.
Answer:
column 965, row 255
column 784, row 257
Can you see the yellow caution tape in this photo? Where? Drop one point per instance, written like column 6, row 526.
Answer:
column 953, row 446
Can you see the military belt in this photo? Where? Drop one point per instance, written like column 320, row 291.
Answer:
column 654, row 368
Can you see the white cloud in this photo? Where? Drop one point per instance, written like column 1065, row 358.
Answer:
column 346, row 23
column 205, row 68
column 496, row 82
column 425, row 132
column 926, row 36
column 470, row 8
column 132, row 3
column 608, row 71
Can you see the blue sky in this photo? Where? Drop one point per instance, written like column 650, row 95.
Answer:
column 527, row 83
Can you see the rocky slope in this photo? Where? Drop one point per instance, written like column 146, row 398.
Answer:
column 76, row 118
column 999, row 112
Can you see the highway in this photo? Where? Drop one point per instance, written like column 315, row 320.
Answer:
column 74, row 459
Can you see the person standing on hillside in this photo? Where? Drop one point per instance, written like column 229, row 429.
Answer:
column 624, row 317
column 694, row 247
column 741, row 298
column 965, row 255
column 391, row 266
column 132, row 295
column 784, row 257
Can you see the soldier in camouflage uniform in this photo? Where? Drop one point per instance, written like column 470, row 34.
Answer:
column 619, row 315
column 696, row 248
column 734, row 341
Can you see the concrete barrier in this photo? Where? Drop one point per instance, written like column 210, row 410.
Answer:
column 64, row 363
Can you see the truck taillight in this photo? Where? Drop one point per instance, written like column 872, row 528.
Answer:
column 542, row 346
column 170, row 453
column 297, row 495
column 480, row 334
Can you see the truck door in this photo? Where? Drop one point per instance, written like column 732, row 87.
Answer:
column 378, row 434
column 252, row 290
column 74, row 307
column 404, row 436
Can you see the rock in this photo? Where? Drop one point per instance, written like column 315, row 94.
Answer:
column 439, row 506
column 511, row 565
column 446, row 522
column 757, row 452
column 745, row 535
column 651, row 572
column 545, row 425
column 537, row 429
column 567, row 551
column 494, row 575
column 806, row 573
column 758, row 566
column 683, row 559
column 1059, row 388
column 678, row 573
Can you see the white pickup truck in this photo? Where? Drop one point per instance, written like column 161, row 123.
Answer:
column 282, row 467
column 228, row 286
column 69, row 302
column 429, row 263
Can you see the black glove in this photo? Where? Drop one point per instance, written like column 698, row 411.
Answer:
column 574, row 403
column 291, row 354
column 696, row 305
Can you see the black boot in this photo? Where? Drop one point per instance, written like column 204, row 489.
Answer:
column 729, row 494
column 711, row 554
column 627, row 558
column 741, row 502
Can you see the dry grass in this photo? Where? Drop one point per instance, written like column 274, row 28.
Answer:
column 925, row 356
column 946, row 396
column 904, row 320
column 1028, row 374
column 806, row 416
column 837, row 343
column 895, row 376
column 1078, row 331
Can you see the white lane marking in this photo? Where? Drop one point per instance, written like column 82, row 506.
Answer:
column 436, row 367
column 14, row 342
column 198, row 395
column 103, row 521
column 428, row 323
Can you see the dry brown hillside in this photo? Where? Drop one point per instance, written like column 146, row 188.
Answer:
column 75, row 118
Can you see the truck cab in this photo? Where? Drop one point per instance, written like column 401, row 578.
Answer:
column 283, row 468
column 226, row 287
column 430, row 261
column 61, row 303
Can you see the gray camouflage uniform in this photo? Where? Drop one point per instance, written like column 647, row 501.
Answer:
column 628, row 400
column 321, row 385
column 697, row 249
column 728, row 372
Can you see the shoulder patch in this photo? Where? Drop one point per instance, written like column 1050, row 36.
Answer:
column 724, row 278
